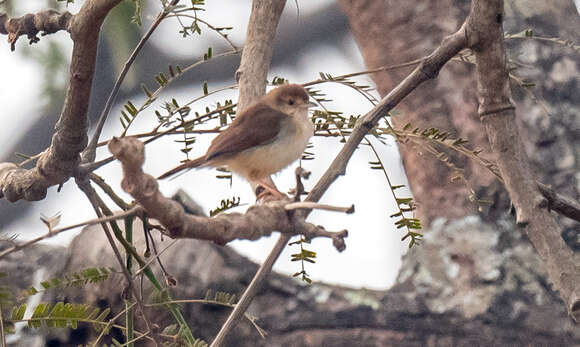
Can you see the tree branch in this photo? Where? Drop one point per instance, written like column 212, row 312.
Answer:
column 257, row 53
column 46, row 22
column 57, row 164
column 258, row 221
column 53, row 232
column 562, row 204
column 497, row 113
column 89, row 153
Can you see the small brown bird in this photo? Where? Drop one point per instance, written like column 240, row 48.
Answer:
column 265, row 138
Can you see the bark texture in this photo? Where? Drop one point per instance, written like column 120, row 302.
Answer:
column 497, row 113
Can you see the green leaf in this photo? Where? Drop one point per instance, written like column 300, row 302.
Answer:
column 403, row 200
column 18, row 312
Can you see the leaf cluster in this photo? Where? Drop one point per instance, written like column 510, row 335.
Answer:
column 303, row 256
column 61, row 315
column 76, row 279
column 226, row 204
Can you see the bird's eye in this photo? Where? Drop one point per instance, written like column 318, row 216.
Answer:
column 290, row 102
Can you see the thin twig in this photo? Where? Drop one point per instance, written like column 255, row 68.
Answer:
column 135, row 339
column 90, row 152
column 252, row 290
column 178, row 14
column 150, row 261
column 99, row 181
column 135, row 210
column 184, row 328
column 89, row 167
column 30, row 159
column 317, row 206
column 559, row 203
column 366, row 72
column 110, row 323
column 248, row 316
column 169, row 279
column 156, row 93
column 98, row 205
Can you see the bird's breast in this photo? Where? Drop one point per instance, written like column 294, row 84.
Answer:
column 264, row 160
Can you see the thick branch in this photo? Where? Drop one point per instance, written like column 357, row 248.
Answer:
column 257, row 53
column 497, row 112
column 46, row 22
column 258, row 221
column 258, row 48
column 60, row 160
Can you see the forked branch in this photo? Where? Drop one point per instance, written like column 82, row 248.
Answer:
column 59, row 162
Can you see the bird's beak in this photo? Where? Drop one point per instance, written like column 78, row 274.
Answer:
column 311, row 104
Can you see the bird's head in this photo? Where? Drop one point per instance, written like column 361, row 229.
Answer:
column 290, row 99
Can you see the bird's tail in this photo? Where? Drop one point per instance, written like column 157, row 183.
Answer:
column 187, row 165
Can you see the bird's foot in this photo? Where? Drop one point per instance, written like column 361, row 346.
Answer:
column 270, row 190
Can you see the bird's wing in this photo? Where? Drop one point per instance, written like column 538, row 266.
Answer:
column 257, row 125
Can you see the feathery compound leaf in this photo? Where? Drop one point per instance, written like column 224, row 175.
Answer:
column 403, row 204
column 225, row 205
column 60, row 316
column 225, row 298
column 146, row 90
column 18, row 312
column 40, row 312
column 75, row 279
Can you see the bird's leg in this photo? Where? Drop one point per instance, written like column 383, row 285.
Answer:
column 268, row 186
